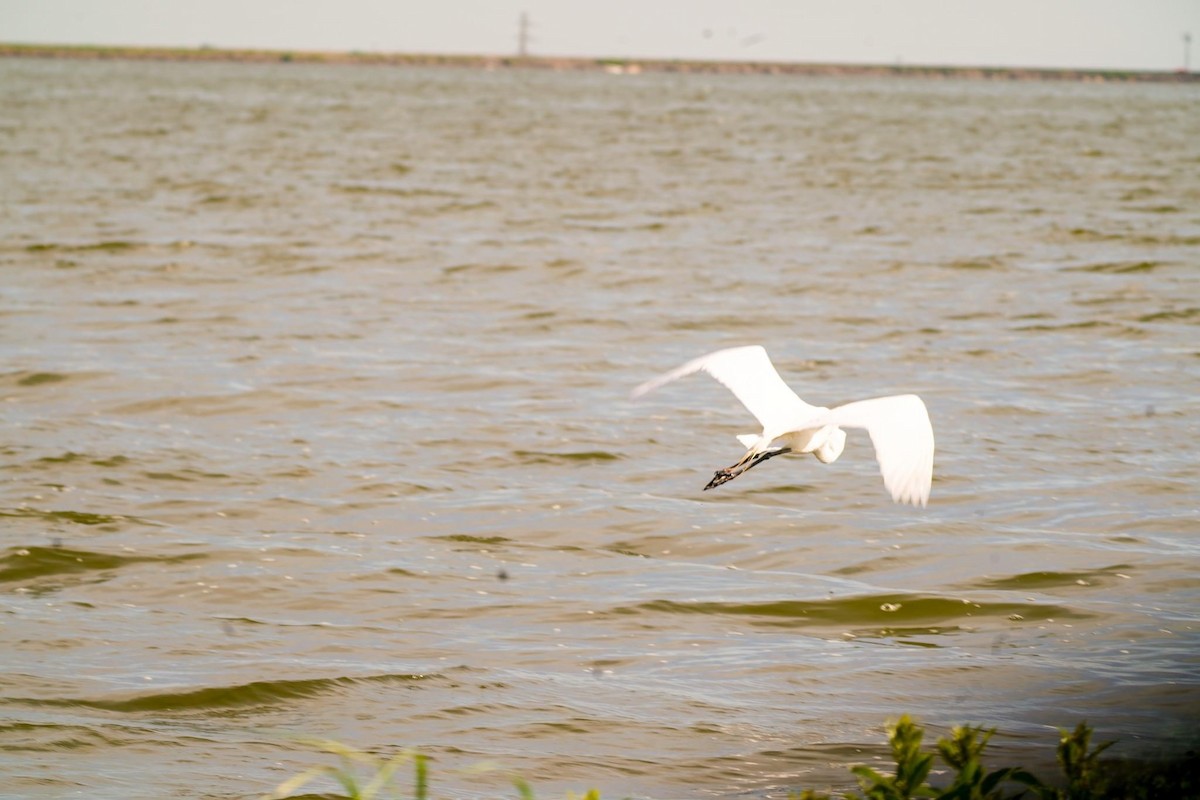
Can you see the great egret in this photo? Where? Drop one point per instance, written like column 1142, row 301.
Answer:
column 899, row 424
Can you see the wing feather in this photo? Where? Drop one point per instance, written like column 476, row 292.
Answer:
column 903, row 437
column 753, row 379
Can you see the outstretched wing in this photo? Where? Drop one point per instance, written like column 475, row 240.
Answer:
column 750, row 375
column 903, row 437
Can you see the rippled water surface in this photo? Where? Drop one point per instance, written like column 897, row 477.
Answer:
column 315, row 386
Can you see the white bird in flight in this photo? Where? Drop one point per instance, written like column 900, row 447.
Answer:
column 898, row 425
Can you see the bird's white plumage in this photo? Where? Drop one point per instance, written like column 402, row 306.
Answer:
column 903, row 437
column 750, row 375
column 898, row 425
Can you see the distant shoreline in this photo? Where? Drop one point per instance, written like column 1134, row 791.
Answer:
column 577, row 64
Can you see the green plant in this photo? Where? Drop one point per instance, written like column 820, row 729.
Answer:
column 365, row 777
column 381, row 772
column 1081, row 764
column 912, row 766
column 962, row 751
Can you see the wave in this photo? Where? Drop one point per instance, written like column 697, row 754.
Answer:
column 256, row 694
column 930, row 614
column 30, row 563
column 1050, row 579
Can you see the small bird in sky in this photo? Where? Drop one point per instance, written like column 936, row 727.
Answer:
column 898, row 424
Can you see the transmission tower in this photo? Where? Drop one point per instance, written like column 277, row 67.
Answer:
column 523, row 35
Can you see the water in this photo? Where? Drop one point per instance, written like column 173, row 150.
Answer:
column 315, row 390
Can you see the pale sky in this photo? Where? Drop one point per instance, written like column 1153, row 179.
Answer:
column 1114, row 34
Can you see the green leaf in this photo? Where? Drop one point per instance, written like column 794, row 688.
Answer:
column 523, row 789
column 422, row 777
column 296, row 781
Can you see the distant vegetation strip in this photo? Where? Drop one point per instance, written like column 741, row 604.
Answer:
column 566, row 64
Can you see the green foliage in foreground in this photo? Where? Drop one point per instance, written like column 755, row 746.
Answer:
column 365, row 777
column 1084, row 777
column 962, row 751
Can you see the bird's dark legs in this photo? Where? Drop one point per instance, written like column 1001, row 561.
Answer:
column 729, row 473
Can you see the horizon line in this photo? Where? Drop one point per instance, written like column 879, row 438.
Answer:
column 624, row 64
